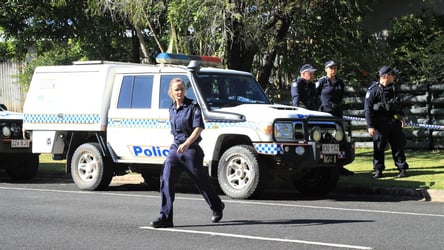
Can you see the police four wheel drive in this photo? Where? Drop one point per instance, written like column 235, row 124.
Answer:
column 15, row 152
column 108, row 118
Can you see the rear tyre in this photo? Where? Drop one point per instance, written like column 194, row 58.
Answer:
column 239, row 172
column 317, row 181
column 88, row 170
column 24, row 168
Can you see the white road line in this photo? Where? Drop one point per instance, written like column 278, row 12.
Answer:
column 228, row 201
column 258, row 238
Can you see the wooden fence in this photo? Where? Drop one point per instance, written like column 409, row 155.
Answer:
column 423, row 108
column 11, row 93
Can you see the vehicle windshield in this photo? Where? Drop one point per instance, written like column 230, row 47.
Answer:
column 228, row 90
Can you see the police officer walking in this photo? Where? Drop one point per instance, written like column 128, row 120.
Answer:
column 383, row 115
column 303, row 91
column 185, row 154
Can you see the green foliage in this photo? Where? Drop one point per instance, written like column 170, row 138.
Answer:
column 56, row 56
column 6, row 51
column 416, row 43
column 270, row 38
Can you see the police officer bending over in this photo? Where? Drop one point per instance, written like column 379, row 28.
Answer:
column 185, row 154
column 383, row 114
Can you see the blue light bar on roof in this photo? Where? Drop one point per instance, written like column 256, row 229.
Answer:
column 168, row 58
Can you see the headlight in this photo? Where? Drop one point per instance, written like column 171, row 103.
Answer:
column 6, row 132
column 339, row 135
column 316, row 133
column 283, row 130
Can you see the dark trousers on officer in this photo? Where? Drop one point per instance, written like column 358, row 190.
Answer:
column 190, row 161
column 389, row 131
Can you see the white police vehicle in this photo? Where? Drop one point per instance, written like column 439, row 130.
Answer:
column 106, row 118
column 15, row 151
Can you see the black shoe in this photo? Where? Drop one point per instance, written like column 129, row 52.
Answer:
column 346, row 172
column 402, row 173
column 218, row 214
column 161, row 223
column 378, row 174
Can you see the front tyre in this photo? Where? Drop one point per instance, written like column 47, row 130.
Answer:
column 24, row 168
column 88, row 170
column 239, row 172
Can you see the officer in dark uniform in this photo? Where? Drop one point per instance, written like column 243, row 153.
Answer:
column 383, row 114
column 330, row 89
column 303, row 91
column 185, row 154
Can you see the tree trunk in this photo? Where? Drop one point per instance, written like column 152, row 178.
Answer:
column 281, row 27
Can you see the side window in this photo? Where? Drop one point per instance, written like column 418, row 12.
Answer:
column 164, row 99
column 136, row 92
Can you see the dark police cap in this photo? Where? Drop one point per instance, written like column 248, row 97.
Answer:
column 330, row 63
column 307, row 67
column 387, row 70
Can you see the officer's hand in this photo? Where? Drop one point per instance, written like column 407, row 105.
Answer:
column 403, row 123
column 182, row 148
column 371, row 131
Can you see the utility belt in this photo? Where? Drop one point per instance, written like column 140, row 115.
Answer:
column 388, row 119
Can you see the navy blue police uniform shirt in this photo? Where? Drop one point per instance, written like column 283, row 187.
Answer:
column 184, row 119
column 331, row 94
column 304, row 94
column 381, row 103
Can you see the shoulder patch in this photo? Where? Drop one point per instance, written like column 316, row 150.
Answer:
column 367, row 95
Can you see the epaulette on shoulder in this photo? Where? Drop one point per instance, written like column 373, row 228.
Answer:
column 374, row 84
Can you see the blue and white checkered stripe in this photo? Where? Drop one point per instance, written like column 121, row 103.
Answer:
column 268, row 148
column 225, row 124
column 62, row 119
column 139, row 123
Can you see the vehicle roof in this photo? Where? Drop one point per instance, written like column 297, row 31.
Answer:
column 121, row 67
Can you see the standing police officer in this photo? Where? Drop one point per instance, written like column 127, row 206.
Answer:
column 330, row 89
column 303, row 91
column 383, row 114
column 185, row 154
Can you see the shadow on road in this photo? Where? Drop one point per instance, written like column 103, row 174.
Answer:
column 298, row 222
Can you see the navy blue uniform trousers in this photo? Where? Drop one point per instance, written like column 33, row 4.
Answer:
column 190, row 161
column 389, row 131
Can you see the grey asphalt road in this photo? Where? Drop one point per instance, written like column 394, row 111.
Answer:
column 54, row 214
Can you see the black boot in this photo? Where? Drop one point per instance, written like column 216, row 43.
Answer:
column 402, row 173
column 378, row 174
column 218, row 214
column 161, row 223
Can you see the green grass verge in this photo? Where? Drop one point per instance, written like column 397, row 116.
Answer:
column 426, row 170
column 48, row 165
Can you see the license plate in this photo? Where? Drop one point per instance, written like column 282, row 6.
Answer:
column 330, row 148
column 19, row 143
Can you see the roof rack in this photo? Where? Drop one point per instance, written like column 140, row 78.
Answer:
column 101, row 62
